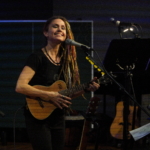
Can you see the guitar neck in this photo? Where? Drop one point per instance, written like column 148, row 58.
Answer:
column 71, row 91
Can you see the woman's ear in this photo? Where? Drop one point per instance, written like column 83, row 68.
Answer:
column 45, row 33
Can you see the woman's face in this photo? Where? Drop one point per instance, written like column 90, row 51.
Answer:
column 56, row 31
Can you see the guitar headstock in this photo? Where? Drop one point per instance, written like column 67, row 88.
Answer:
column 93, row 106
column 104, row 80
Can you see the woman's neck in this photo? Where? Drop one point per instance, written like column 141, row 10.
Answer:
column 52, row 54
column 52, row 49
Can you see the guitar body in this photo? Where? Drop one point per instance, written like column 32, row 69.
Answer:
column 84, row 136
column 42, row 109
column 117, row 127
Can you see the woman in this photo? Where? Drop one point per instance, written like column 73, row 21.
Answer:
column 55, row 61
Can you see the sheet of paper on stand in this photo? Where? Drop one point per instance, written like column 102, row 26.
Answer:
column 140, row 132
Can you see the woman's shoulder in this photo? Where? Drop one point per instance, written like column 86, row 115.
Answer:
column 37, row 53
column 35, row 58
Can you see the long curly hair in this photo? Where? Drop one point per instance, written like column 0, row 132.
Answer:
column 67, row 54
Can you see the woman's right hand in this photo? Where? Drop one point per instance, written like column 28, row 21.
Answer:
column 58, row 100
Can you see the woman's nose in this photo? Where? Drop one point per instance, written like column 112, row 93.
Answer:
column 59, row 29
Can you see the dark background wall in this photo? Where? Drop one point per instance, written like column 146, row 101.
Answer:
column 98, row 11
column 26, row 10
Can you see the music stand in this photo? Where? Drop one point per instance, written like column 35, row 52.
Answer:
column 127, row 52
column 123, row 53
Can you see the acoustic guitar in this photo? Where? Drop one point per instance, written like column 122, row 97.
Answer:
column 40, row 108
column 117, row 126
column 91, row 111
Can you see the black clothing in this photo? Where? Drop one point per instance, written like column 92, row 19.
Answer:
column 46, row 72
column 47, row 134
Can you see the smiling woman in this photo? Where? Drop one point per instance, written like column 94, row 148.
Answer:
column 47, row 73
column 56, row 31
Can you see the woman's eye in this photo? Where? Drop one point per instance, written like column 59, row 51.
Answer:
column 63, row 28
column 55, row 26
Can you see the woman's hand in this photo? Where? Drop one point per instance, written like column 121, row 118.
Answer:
column 93, row 86
column 58, row 100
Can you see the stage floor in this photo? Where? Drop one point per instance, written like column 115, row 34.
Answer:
column 27, row 146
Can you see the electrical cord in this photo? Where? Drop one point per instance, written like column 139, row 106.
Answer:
column 14, row 126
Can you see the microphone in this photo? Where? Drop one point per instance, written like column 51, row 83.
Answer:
column 119, row 23
column 72, row 42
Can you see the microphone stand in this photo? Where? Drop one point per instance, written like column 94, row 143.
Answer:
column 126, row 101
column 103, row 71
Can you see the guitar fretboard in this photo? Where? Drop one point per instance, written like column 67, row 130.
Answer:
column 71, row 91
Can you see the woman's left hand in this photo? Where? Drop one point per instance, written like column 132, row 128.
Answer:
column 93, row 85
